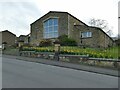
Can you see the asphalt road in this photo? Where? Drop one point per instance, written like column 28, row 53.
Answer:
column 22, row 74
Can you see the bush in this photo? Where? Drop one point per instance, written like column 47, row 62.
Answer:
column 45, row 42
column 65, row 41
column 27, row 45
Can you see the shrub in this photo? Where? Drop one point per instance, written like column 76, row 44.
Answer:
column 118, row 57
column 4, row 43
column 45, row 42
column 65, row 41
column 27, row 45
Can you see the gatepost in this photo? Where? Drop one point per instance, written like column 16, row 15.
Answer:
column 56, row 49
column 20, row 45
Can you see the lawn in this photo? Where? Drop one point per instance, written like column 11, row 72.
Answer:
column 91, row 52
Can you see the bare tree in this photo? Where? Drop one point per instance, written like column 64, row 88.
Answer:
column 103, row 24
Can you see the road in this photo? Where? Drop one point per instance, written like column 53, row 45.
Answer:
column 22, row 74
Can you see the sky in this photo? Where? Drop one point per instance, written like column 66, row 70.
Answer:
column 119, row 18
column 17, row 15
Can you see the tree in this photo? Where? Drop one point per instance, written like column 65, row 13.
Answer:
column 117, row 36
column 103, row 24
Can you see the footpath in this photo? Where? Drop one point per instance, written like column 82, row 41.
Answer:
column 93, row 69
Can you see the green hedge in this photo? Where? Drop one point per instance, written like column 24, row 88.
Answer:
column 65, row 41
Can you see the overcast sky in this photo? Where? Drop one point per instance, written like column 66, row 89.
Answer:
column 17, row 15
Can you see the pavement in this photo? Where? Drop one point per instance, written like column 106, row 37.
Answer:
column 17, row 73
column 93, row 69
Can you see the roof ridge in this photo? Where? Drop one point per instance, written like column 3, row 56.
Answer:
column 60, row 12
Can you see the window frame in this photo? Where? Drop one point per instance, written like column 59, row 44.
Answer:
column 86, row 34
column 53, row 25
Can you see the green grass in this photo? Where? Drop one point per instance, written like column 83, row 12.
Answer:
column 97, row 53
column 113, row 52
column 11, row 51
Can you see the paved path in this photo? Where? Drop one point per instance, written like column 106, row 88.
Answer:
column 22, row 74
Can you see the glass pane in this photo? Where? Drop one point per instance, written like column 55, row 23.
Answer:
column 56, row 28
column 50, row 22
column 55, row 21
column 50, row 29
column 84, row 34
column 50, row 35
column 89, row 34
column 46, row 23
column 55, row 34
column 45, row 30
column 47, row 35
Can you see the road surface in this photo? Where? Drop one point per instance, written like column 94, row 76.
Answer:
column 22, row 74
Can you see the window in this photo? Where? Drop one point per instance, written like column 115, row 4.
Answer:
column 0, row 46
column 86, row 34
column 50, row 28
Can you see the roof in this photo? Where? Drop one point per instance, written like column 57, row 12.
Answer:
column 102, row 31
column 60, row 12
column 22, row 35
column 8, row 32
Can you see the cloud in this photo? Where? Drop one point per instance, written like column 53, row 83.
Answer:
column 17, row 16
column 85, row 9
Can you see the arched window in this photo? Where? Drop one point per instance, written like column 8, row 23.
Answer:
column 51, row 28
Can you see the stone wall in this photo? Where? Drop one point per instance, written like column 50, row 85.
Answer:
column 71, row 22
column 99, row 39
column 91, row 41
column 76, row 59
column 104, row 40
